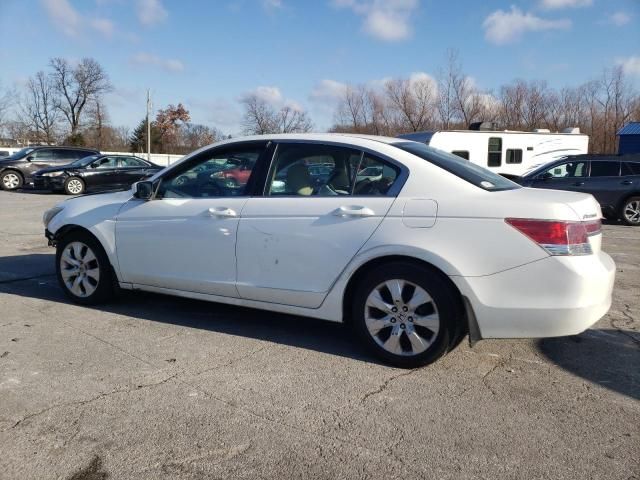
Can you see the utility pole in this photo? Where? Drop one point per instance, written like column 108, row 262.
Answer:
column 148, row 125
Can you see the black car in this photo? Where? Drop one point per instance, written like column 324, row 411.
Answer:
column 614, row 180
column 17, row 170
column 95, row 172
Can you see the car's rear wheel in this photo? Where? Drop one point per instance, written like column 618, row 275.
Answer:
column 11, row 180
column 74, row 186
column 405, row 314
column 83, row 269
column 630, row 212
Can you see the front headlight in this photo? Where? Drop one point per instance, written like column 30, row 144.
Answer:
column 49, row 214
column 52, row 174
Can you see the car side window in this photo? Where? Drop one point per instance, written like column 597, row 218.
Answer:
column 566, row 170
column 217, row 173
column 374, row 176
column 43, row 155
column 310, row 169
column 630, row 168
column 605, row 169
column 105, row 162
column 129, row 162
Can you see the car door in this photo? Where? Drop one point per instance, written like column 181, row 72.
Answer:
column 102, row 173
column 185, row 237
column 570, row 175
column 294, row 241
column 130, row 170
column 37, row 160
column 605, row 182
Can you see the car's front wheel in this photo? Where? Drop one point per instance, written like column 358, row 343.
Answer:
column 74, row 186
column 405, row 314
column 630, row 212
column 83, row 269
column 11, row 180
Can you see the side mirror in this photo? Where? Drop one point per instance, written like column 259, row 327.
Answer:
column 29, row 158
column 143, row 190
column 546, row 176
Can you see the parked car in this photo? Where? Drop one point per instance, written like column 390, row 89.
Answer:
column 613, row 180
column 17, row 170
column 94, row 172
column 436, row 248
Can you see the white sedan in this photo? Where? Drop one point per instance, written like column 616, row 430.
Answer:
column 431, row 249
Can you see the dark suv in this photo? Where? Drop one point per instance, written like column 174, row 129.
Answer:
column 17, row 170
column 613, row 180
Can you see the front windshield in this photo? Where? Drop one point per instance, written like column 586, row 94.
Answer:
column 19, row 154
column 472, row 173
column 83, row 162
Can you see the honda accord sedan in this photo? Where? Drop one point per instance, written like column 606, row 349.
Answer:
column 95, row 172
column 413, row 258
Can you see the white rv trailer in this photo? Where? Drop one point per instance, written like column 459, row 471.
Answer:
column 504, row 151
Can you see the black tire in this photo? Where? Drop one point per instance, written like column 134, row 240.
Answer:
column 629, row 205
column 74, row 186
column 443, row 301
column 104, row 285
column 11, row 180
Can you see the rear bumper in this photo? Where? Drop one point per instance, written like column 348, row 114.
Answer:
column 552, row 297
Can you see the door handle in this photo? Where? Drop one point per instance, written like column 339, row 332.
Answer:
column 353, row 211
column 627, row 182
column 222, row 212
column 578, row 184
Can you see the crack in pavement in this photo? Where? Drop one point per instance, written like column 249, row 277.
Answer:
column 232, row 361
column 386, row 384
column 501, row 363
column 90, row 400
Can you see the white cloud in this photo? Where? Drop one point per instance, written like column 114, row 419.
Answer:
column 63, row 16
column 272, row 5
column 270, row 95
column 505, row 27
column 619, row 18
column 387, row 20
column 168, row 64
column 151, row 12
column 103, row 26
column 328, row 91
column 557, row 4
column 630, row 65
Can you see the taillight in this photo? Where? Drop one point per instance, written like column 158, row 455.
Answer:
column 558, row 237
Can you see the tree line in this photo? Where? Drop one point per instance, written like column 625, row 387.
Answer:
column 451, row 100
column 66, row 104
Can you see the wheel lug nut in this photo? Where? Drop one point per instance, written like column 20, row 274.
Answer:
column 404, row 309
column 394, row 309
column 393, row 320
column 411, row 319
column 402, row 326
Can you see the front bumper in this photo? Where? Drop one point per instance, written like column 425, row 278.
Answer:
column 552, row 297
column 48, row 183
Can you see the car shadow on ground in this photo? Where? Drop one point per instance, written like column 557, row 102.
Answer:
column 33, row 276
column 608, row 357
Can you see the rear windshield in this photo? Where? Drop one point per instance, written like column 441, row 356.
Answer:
column 472, row 173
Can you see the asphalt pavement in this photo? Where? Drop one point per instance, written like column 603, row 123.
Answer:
column 154, row 387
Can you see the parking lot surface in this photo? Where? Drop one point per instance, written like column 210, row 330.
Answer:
column 154, row 387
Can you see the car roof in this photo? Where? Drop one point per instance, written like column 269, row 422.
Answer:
column 346, row 138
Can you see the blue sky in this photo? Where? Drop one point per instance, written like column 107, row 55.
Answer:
column 208, row 54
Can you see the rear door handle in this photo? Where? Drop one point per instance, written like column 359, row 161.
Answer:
column 222, row 212
column 578, row 184
column 353, row 211
column 627, row 182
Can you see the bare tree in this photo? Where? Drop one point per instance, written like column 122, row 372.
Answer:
column 413, row 101
column 261, row 118
column 39, row 107
column 7, row 99
column 76, row 86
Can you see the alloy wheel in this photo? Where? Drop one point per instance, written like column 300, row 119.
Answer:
column 632, row 211
column 79, row 269
column 75, row 186
column 10, row 181
column 401, row 317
